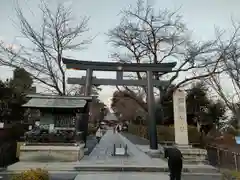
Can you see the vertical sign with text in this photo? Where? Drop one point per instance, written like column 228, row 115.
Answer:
column 180, row 117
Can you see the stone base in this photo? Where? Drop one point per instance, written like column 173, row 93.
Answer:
column 51, row 153
column 153, row 152
column 183, row 146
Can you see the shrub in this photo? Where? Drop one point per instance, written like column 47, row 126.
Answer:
column 235, row 174
column 36, row 174
column 230, row 175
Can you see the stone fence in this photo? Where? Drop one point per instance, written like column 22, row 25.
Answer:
column 164, row 133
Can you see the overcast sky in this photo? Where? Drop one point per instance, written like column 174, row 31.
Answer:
column 200, row 16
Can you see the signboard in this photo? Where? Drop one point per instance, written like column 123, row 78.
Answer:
column 120, row 151
column 64, row 121
column 1, row 125
column 237, row 138
column 180, row 117
column 30, row 128
column 37, row 123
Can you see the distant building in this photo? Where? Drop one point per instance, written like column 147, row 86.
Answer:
column 110, row 118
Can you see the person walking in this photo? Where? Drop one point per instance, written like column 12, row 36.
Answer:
column 117, row 128
column 114, row 129
column 99, row 134
column 174, row 157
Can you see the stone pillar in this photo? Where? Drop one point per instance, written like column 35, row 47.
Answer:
column 88, row 90
column 151, row 112
column 88, row 84
column 180, row 118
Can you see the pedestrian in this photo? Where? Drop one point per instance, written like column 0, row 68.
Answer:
column 114, row 130
column 118, row 128
column 99, row 134
column 174, row 157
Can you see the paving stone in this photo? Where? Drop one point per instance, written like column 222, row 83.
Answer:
column 122, row 176
column 137, row 176
column 104, row 150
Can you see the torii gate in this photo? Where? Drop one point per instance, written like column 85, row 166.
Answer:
column 119, row 68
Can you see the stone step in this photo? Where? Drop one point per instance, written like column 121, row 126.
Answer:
column 196, row 169
column 188, row 159
column 192, row 161
column 199, row 158
column 186, row 156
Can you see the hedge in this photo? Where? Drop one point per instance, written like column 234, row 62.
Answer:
column 164, row 133
column 36, row 174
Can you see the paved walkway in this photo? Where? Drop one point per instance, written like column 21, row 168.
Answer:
column 135, row 176
column 121, row 176
column 141, row 143
column 114, row 176
column 102, row 153
column 101, row 157
column 104, row 149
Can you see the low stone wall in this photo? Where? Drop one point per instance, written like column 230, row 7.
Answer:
column 51, row 153
column 164, row 133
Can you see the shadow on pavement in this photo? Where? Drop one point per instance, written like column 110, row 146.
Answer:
column 90, row 145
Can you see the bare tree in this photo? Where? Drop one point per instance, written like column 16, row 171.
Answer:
column 57, row 34
column 230, row 78
column 145, row 35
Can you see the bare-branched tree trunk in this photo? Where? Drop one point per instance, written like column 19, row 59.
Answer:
column 229, row 80
column 57, row 34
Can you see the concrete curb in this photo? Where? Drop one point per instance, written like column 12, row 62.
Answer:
column 143, row 169
column 77, row 172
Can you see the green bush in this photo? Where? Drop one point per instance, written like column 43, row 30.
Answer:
column 230, row 175
column 164, row 133
column 33, row 174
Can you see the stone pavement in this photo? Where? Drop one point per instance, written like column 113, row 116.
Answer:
column 122, row 176
column 90, row 144
column 113, row 176
column 141, row 143
column 101, row 159
column 135, row 176
column 102, row 153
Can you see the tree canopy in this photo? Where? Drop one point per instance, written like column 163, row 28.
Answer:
column 201, row 108
column 12, row 95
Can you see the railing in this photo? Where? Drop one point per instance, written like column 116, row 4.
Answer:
column 223, row 158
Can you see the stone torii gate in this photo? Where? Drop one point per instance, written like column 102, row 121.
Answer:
column 119, row 68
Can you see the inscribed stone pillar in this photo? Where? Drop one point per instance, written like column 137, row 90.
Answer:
column 180, row 117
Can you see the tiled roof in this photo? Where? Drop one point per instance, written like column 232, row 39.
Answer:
column 43, row 101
